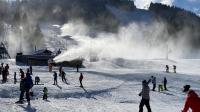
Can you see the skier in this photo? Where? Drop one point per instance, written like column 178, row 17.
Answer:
column 167, row 68
column 55, row 78
column 1, row 68
column 174, row 68
column 37, row 80
column 45, row 93
column 15, row 77
column 25, row 85
column 50, row 64
column 63, row 76
column 165, row 83
column 153, row 82
column 4, row 73
column 145, row 96
column 21, row 73
column 77, row 68
column 192, row 101
column 31, row 70
column 80, row 79
column 60, row 71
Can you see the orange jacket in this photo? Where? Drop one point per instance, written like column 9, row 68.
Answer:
column 192, row 102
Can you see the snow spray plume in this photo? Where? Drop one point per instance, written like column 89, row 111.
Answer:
column 135, row 41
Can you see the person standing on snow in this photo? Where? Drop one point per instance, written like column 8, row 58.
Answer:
column 15, row 78
column 63, row 76
column 145, row 96
column 31, row 70
column 174, row 68
column 165, row 83
column 192, row 102
column 21, row 74
column 55, row 77
column 167, row 68
column 81, row 79
column 25, row 85
column 153, row 82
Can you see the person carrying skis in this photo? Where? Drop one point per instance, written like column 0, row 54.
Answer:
column 81, row 79
column 167, row 68
column 192, row 102
column 25, row 85
column 153, row 82
column 165, row 83
column 55, row 76
column 45, row 93
column 15, row 77
column 145, row 96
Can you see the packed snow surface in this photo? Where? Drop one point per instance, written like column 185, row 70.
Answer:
column 109, row 86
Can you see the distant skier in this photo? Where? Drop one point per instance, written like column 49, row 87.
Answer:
column 15, row 77
column 55, row 77
column 37, row 80
column 25, row 85
column 174, row 68
column 77, row 68
column 50, row 64
column 145, row 96
column 1, row 68
column 45, row 93
column 81, row 79
column 165, row 83
column 192, row 101
column 153, row 80
column 60, row 71
column 63, row 76
column 167, row 68
column 31, row 70
column 22, row 75
column 4, row 76
column 6, row 72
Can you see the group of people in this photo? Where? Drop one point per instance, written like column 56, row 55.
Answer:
column 167, row 68
column 192, row 102
column 161, row 86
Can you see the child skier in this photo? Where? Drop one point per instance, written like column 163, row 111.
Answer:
column 45, row 93
column 80, row 79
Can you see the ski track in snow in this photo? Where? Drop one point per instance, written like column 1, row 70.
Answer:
column 110, row 88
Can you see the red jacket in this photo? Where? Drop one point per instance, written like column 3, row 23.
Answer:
column 192, row 102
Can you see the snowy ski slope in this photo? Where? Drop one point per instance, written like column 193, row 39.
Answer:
column 110, row 86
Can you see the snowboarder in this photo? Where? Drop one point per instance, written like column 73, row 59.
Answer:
column 31, row 70
column 25, row 85
column 63, row 76
column 55, row 76
column 167, row 68
column 45, row 93
column 37, row 80
column 145, row 96
column 165, row 83
column 192, row 101
column 80, row 79
column 21, row 74
column 153, row 82
column 15, row 77
column 174, row 68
